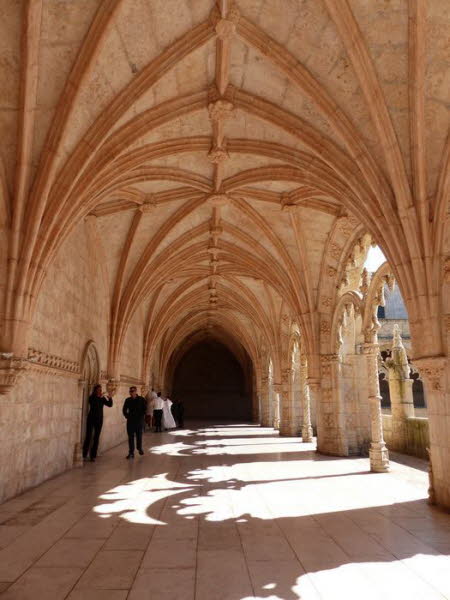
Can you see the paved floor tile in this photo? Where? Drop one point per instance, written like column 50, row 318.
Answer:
column 230, row 512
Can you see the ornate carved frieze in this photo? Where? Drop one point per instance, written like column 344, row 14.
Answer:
column 52, row 362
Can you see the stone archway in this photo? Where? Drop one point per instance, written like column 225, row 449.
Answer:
column 90, row 375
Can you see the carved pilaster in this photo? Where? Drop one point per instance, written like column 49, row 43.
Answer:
column 307, row 431
column 286, row 415
column 331, row 432
column 277, row 390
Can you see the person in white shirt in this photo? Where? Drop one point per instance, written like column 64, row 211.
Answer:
column 168, row 420
column 158, row 405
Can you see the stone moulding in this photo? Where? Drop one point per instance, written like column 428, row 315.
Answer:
column 52, row 363
column 12, row 368
column 124, row 379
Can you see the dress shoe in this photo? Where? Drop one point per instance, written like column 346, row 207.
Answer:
column 141, row 452
column 129, row 456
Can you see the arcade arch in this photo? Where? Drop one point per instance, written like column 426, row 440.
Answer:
column 232, row 182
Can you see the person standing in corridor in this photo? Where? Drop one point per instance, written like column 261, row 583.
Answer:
column 158, row 406
column 95, row 421
column 134, row 412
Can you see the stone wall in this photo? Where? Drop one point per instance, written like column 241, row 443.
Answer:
column 40, row 419
column 417, row 435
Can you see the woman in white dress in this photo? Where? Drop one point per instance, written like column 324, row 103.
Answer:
column 168, row 420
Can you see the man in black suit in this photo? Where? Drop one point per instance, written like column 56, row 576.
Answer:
column 134, row 411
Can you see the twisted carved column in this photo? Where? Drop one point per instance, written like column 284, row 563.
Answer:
column 379, row 455
column 307, row 431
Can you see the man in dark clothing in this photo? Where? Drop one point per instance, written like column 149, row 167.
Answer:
column 95, row 421
column 134, row 412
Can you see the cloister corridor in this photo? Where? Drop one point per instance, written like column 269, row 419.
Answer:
column 226, row 512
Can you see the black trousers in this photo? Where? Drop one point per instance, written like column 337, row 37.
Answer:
column 157, row 415
column 134, row 429
column 95, row 427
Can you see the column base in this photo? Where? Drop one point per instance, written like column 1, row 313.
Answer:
column 307, row 435
column 379, row 457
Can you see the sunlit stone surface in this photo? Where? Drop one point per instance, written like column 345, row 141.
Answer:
column 229, row 512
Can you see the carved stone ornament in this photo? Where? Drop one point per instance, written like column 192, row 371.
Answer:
column 218, row 200
column 221, row 110
column 225, row 29
column 331, row 271
column 111, row 386
column 218, row 155
column 335, row 251
column 325, row 327
column 11, row 370
column 327, row 301
column 277, row 388
column 432, row 370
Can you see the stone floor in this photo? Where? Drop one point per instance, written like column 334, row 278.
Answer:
column 229, row 512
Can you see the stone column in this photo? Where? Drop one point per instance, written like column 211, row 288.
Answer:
column 379, row 456
column 286, row 419
column 400, row 392
column 307, row 432
column 276, row 401
column 434, row 371
column 265, row 406
column 331, row 438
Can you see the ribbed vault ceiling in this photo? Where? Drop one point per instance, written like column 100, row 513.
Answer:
column 219, row 146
